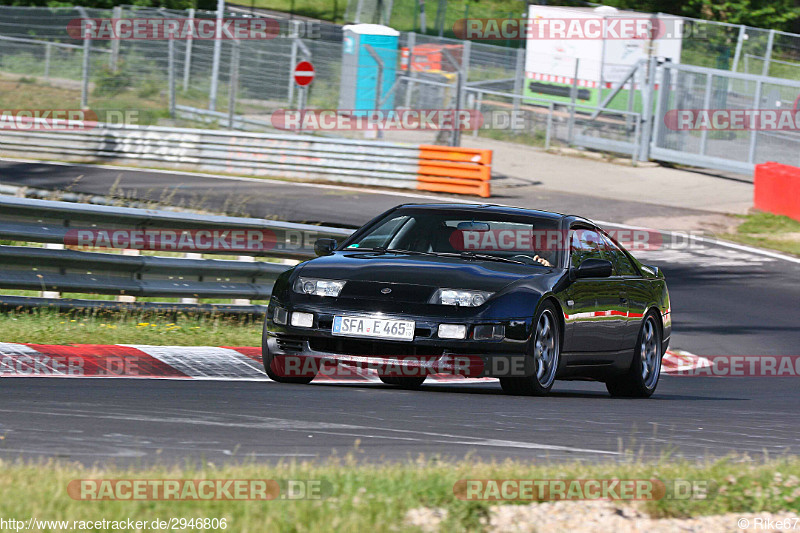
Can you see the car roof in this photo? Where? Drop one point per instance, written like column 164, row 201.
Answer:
column 493, row 208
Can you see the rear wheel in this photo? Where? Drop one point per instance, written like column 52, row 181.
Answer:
column 404, row 382
column 642, row 378
column 546, row 355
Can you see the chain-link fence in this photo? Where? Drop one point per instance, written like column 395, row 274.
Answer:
column 162, row 79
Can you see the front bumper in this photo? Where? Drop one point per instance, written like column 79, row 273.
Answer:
column 426, row 354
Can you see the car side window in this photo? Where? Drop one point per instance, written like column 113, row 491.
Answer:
column 585, row 244
column 622, row 263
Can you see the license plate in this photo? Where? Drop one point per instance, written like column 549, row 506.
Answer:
column 378, row 328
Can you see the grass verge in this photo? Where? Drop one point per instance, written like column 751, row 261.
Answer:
column 369, row 497
column 768, row 231
column 104, row 327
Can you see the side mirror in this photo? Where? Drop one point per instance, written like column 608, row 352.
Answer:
column 325, row 246
column 593, row 268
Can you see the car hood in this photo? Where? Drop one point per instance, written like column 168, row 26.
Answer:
column 438, row 272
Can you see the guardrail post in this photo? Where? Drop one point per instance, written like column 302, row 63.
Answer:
column 187, row 57
column 647, row 110
column 247, row 259
column 114, row 60
column 126, row 297
column 52, row 294
column 191, row 255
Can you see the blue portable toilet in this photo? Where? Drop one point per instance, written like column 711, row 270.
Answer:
column 360, row 70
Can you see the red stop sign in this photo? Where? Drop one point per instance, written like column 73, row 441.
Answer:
column 303, row 73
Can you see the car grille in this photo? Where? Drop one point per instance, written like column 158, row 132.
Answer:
column 290, row 344
column 400, row 292
column 371, row 348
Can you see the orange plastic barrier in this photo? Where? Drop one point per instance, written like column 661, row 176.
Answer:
column 455, row 170
column 777, row 189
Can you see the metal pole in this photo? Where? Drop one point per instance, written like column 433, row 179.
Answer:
column 478, row 103
column 187, row 57
column 737, row 54
column 234, row 83
column 171, row 75
column 751, row 153
column 768, row 55
column 573, row 97
column 117, row 14
column 547, row 134
column 647, row 112
column 87, row 46
column 292, row 62
column 212, row 96
column 359, row 7
column 519, row 77
column 48, row 50
column 706, row 106
column 410, row 72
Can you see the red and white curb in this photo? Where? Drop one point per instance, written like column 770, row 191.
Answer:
column 195, row 362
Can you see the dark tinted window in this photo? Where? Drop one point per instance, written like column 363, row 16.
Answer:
column 585, row 244
column 622, row 264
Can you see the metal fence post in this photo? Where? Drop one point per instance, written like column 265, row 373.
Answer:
column 647, row 111
column 768, row 54
column 234, row 82
column 171, row 75
column 87, row 46
column 48, row 50
column 751, row 152
column 519, row 77
column 292, row 61
column 114, row 61
column 187, row 57
column 410, row 72
column 737, row 54
column 212, row 95
column 573, row 97
column 706, row 106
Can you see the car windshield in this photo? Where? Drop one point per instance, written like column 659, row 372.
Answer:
column 473, row 234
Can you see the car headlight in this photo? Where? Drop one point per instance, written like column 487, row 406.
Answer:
column 461, row 298
column 318, row 287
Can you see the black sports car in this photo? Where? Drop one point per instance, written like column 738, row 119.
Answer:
column 523, row 295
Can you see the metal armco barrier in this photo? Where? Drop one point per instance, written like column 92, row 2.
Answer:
column 75, row 271
column 777, row 189
column 258, row 154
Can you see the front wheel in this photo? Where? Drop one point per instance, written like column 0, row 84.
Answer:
column 546, row 354
column 642, row 378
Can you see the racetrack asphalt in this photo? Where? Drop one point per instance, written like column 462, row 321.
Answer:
column 725, row 301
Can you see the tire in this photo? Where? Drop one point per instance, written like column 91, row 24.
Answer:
column 546, row 352
column 406, row 383
column 271, row 367
column 642, row 378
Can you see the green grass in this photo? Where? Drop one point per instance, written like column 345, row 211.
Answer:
column 768, row 231
column 105, row 327
column 377, row 497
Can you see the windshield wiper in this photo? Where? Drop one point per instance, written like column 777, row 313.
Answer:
column 461, row 255
column 384, row 250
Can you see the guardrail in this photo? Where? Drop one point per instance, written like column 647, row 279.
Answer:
column 255, row 154
column 59, row 269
